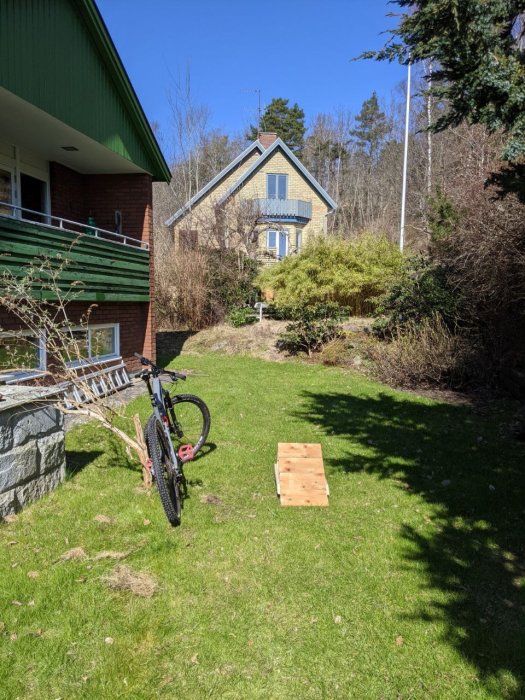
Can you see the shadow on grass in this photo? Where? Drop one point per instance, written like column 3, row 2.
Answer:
column 77, row 461
column 110, row 452
column 473, row 552
column 170, row 345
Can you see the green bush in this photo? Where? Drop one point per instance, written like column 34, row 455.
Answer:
column 241, row 316
column 422, row 292
column 350, row 273
column 312, row 328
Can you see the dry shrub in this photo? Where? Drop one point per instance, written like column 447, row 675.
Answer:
column 428, row 354
column 485, row 256
column 182, row 293
column 122, row 578
column 195, row 288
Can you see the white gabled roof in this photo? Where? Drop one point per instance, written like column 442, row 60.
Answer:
column 278, row 143
column 265, row 155
column 255, row 146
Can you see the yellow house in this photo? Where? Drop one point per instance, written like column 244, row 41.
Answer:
column 264, row 202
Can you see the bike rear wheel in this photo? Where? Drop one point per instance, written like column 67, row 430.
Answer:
column 167, row 478
column 191, row 421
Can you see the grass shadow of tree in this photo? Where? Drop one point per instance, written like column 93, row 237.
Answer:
column 473, row 559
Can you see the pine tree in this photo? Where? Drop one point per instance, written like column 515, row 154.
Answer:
column 371, row 128
column 287, row 122
column 478, row 51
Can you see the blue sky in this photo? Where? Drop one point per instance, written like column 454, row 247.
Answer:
column 296, row 49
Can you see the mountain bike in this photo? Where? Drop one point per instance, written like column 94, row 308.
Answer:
column 175, row 432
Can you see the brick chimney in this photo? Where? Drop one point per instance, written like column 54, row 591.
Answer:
column 266, row 138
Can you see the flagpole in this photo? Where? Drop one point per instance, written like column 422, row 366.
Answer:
column 405, row 164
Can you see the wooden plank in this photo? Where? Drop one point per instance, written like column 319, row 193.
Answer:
column 300, row 476
column 299, row 449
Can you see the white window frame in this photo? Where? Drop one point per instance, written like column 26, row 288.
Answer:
column 18, row 167
column 278, row 232
column 88, row 361
column 268, row 246
column 298, row 240
column 21, row 375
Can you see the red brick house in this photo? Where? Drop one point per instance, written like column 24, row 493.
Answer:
column 77, row 162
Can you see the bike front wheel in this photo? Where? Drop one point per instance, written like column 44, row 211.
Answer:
column 167, row 476
column 191, row 421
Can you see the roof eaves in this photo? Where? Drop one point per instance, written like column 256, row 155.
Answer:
column 212, row 183
column 278, row 143
column 91, row 14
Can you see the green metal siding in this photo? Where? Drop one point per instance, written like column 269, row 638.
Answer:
column 57, row 55
column 96, row 270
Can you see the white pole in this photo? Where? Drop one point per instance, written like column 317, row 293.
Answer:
column 405, row 163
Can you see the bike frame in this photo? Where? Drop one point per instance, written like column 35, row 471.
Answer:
column 161, row 404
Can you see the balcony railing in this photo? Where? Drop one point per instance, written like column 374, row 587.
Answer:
column 84, row 265
column 58, row 222
column 284, row 208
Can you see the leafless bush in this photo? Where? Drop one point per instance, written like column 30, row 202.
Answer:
column 428, row 354
column 486, row 258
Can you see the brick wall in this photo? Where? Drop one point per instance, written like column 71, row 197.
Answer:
column 130, row 194
column 76, row 196
column 67, row 193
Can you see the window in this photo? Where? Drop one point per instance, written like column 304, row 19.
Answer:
column 22, row 355
column 298, row 240
column 277, row 242
column 276, row 186
column 188, row 239
column 6, row 191
column 34, row 195
column 92, row 344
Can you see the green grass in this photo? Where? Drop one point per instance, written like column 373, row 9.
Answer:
column 404, row 587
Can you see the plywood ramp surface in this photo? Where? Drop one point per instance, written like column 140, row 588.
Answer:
column 299, row 474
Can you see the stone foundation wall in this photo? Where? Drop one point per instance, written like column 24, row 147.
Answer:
column 32, row 455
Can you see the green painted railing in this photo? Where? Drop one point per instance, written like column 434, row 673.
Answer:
column 90, row 269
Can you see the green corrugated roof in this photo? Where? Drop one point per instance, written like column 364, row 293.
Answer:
column 58, row 55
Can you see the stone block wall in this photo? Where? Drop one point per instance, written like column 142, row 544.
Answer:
column 32, row 455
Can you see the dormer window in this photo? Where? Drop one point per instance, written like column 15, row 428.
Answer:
column 277, row 186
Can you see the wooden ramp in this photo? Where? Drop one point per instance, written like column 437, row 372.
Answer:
column 299, row 474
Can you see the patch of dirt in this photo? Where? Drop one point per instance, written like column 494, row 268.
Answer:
column 75, row 553
column 257, row 340
column 122, row 578
column 211, row 499
column 109, row 554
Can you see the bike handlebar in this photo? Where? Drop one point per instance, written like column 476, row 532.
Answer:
column 158, row 370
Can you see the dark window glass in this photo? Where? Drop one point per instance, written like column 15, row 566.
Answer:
column 276, row 186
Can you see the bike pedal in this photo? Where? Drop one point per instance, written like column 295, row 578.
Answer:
column 185, row 453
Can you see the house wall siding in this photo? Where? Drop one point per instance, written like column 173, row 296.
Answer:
column 298, row 188
column 201, row 215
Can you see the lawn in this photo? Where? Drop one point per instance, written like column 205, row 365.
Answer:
column 410, row 585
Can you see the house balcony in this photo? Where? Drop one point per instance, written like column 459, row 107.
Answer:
column 285, row 210
column 92, row 264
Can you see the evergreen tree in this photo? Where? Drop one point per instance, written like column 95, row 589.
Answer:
column 287, row 122
column 371, row 128
column 478, row 51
